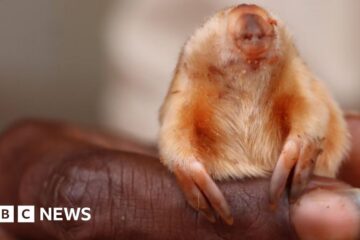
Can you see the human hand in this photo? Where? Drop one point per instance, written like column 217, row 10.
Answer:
column 131, row 195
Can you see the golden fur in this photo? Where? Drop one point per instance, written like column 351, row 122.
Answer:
column 234, row 119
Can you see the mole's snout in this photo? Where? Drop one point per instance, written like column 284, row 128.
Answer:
column 251, row 29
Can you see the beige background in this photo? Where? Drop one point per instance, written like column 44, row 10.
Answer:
column 51, row 62
column 109, row 62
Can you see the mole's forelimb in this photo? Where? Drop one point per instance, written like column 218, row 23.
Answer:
column 242, row 103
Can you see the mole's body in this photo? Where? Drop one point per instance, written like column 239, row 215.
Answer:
column 243, row 103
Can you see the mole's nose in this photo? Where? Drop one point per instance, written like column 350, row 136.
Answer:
column 251, row 30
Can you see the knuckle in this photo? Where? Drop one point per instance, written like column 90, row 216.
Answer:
column 76, row 183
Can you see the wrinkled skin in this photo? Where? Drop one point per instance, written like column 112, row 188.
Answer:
column 132, row 196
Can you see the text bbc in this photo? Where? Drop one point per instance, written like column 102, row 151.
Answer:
column 26, row 214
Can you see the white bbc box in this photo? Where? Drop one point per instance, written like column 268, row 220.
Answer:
column 6, row 214
column 26, row 214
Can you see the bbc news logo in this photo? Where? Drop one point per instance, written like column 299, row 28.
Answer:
column 26, row 214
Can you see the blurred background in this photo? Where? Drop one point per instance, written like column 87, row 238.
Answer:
column 109, row 63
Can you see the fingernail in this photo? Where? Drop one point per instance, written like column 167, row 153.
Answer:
column 327, row 214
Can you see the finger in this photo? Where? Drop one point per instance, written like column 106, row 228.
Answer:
column 128, row 191
column 211, row 191
column 286, row 162
column 304, row 169
column 327, row 214
column 193, row 195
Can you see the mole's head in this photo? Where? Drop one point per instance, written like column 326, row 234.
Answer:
column 242, row 37
column 252, row 33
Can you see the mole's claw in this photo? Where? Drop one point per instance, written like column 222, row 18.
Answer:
column 304, row 169
column 199, row 189
column 285, row 163
column 194, row 196
column 211, row 191
column 300, row 152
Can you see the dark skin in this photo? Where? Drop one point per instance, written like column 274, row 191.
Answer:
column 131, row 195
